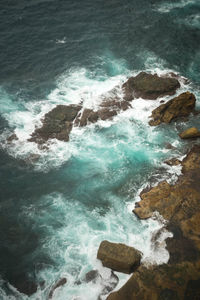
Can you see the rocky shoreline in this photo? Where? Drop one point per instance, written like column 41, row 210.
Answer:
column 179, row 204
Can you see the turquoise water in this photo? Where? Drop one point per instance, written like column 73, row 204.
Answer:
column 58, row 204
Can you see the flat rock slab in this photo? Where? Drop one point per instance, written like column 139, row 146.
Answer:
column 148, row 86
column 175, row 108
column 119, row 257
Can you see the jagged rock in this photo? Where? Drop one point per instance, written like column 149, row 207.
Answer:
column 164, row 282
column 119, row 257
column 11, row 138
column 148, row 86
column 177, row 107
column 110, row 285
column 179, row 204
column 88, row 115
column 56, row 124
column 190, row 133
column 59, row 283
column 92, row 276
column 173, row 162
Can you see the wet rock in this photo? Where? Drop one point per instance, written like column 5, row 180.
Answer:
column 56, row 124
column 177, row 107
column 179, row 204
column 106, row 114
column 119, row 257
column 58, row 284
column 110, row 285
column 12, row 137
column 169, row 146
column 24, row 285
column 92, row 276
column 173, row 162
column 190, row 133
column 148, row 86
column 88, row 116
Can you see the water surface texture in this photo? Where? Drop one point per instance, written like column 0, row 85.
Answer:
column 58, row 204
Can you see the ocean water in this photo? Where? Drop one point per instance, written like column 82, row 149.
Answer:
column 58, row 204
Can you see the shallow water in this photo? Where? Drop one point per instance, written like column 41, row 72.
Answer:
column 58, row 204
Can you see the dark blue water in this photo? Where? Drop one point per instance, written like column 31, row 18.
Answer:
column 57, row 205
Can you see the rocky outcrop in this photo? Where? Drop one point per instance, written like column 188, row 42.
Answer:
column 148, row 86
column 179, row 204
column 190, row 133
column 165, row 282
column 58, row 284
column 119, row 257
column 173, row 162
column 59, row 121
column 177, row 107
column 56, row 124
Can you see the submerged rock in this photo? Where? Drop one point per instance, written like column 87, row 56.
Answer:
column 91, row 276
column 58, row 284
column 179, row 204
column 177, row 107
column 11, row 138
column 148, row 86
column 24, row 285
column 190, row 133
column 119, row 257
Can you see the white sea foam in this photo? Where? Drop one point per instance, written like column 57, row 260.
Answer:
column 168, row 6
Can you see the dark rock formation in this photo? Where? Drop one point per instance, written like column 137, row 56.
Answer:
column 177, row 107
column 180, row 205
column 24, row 285
column 148, row 86
column 58, row 284
column 11, row 138
column 56, row 124
column 119, row 257
column 173, row 162
column 92, row 276
column 190, row 133
column 59, row 121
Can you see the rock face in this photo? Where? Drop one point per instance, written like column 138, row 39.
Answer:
column 190, row 133
column 180, row 205
column 148, row 86
column 177, row 107
column 119, row 257
column 56, row 124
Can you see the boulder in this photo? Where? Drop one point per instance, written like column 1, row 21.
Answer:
column 148, row 86
column 119, row 257
column 56, row 124
column 190, row 133
column 177, row 107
